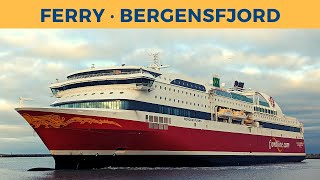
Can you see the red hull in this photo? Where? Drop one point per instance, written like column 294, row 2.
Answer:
column 134, row 135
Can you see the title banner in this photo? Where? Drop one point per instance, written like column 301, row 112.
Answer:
column 159, row 14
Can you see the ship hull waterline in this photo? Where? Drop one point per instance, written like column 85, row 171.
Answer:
column 82, row 142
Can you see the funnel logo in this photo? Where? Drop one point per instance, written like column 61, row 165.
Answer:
column 274, row 143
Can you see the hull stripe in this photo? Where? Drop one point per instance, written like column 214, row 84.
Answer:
column 152, row 152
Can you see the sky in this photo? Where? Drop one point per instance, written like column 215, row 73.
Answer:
column 282, row 63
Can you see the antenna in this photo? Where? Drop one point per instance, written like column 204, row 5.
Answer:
column 155, row 56
column 156, row 62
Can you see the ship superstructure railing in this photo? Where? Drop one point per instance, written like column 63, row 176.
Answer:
column 232, row 95
column 106, row 73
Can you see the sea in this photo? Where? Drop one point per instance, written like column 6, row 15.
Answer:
column 17, row 168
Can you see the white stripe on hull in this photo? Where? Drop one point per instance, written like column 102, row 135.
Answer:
column 151, row 152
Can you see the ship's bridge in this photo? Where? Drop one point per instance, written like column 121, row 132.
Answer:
column 140, row 76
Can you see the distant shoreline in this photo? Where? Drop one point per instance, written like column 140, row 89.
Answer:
column 25, row 155
column 308, row 156
column 313, row 156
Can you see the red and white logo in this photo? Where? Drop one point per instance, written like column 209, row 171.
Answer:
column 274, row 143
column 271, row 100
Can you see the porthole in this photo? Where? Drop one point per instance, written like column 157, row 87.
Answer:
column 111, row 93
column 121, row 92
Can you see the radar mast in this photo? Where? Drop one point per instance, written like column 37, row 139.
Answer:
column 156, row 62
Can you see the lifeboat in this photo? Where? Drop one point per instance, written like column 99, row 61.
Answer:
column 224, row 112
column 239, row 115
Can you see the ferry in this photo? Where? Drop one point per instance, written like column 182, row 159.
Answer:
column 136, row 116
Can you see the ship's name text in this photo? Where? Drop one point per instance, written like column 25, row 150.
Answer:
column 164, row 15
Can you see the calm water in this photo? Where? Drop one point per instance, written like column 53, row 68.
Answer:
column 16, row 168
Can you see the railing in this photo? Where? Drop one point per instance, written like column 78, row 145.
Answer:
column 103, row 74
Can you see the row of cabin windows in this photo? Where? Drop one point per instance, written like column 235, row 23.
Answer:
column 264, row 110
column 201, row 105
column 136, row 105
column 279, row 127
column 102, row 82
column 156, row 108
column 233, row 103
column 182, row 92
column 111, row 104
column 266, row 116
column 94, row 93
column 188, row 84
column 180, row 101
